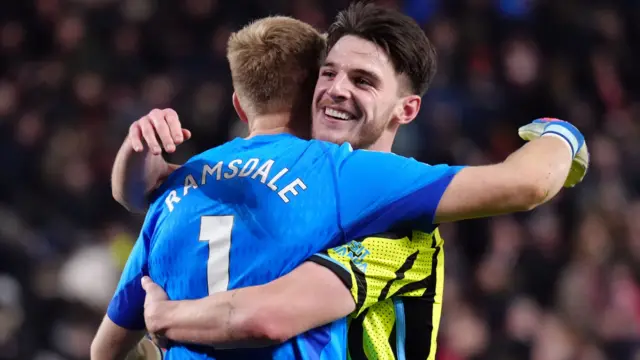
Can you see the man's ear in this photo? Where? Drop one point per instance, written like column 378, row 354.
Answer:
column 239, row 110
column 408, row 109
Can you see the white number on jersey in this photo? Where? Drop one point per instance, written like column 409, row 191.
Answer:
column 217, row 231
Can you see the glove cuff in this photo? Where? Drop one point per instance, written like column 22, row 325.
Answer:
column 568, row 133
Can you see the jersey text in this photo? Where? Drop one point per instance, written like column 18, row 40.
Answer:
column 252, row 168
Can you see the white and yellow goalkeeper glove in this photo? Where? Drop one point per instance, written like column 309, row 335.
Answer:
column 568, row 132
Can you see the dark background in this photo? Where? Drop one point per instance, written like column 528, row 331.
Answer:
column 560, row 283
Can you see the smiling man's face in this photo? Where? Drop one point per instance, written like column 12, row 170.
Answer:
column 357, row 95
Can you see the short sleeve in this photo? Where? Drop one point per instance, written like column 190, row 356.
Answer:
column 381, row 266
column 126, row 308
column 378, row 190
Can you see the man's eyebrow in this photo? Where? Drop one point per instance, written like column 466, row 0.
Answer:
column 329, row 64
column 370, row 74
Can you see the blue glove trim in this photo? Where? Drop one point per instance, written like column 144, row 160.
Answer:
column 567, row 132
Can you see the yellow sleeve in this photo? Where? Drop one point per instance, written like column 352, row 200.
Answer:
column 381, row 266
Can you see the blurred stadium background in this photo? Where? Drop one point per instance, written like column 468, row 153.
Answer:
column 561, row 283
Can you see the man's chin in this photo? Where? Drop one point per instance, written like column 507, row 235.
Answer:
column 330, row 136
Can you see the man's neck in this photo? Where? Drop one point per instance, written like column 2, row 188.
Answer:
column 384, row 142
column 270, row 124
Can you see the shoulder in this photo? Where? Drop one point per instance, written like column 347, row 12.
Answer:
column 392, row 250
column 332, row 148
column 378, row 158
column 414, row 239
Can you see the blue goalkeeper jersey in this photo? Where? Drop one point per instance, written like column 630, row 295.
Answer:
column 251, row 210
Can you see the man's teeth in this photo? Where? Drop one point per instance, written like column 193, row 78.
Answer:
column 337, row 114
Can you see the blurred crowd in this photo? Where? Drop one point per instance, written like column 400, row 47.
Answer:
column 559, row 283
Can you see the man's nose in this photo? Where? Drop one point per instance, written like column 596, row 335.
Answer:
column 339, row 89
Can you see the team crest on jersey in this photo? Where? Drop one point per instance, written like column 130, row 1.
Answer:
column 356, row 252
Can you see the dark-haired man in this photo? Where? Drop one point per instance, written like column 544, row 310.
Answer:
column 369, row 85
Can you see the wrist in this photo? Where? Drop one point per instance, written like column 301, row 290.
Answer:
column 157, row 170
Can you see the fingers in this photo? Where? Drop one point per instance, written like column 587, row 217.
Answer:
column 159, row 129
column 149, row 286
column 147, row 283
column 152, row 289
column 135, row 137
column 175, row 128
column 149, row 135
column 186, row 134
column 159, row 122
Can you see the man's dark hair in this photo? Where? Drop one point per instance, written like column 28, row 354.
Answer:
column 408, row 47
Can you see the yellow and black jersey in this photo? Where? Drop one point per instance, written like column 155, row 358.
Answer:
column 397, row 282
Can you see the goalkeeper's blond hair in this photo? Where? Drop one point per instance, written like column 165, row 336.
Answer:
column 274, row 64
